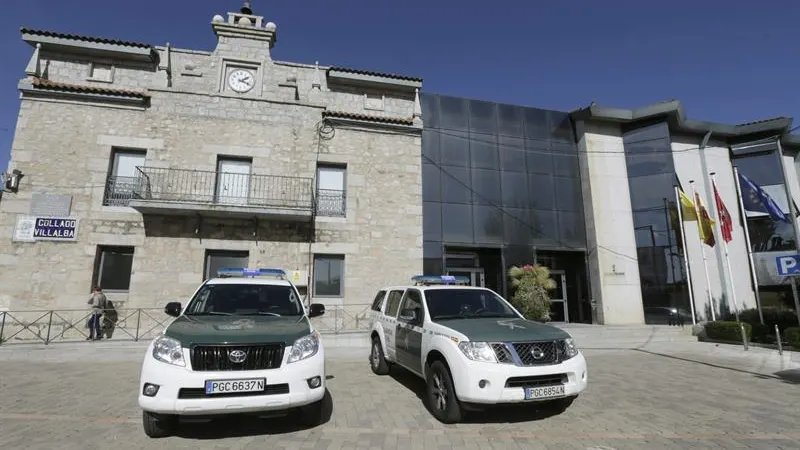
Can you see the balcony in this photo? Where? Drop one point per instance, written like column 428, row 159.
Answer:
column 331, row 203
column 217, row 194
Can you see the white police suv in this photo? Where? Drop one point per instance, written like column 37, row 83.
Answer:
column 242, row 344
column 472, row 348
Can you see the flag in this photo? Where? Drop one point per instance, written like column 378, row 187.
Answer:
column 725, row 220
column 756, row 199
column 687, row 207
column 705, row 225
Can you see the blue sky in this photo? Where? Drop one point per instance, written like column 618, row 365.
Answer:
column 733, row 66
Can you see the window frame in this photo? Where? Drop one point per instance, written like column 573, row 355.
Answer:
column 388, row 309
column 100, row 257
column 423, row 307
column 328, row 257
column 332, row 167
column 112, row 191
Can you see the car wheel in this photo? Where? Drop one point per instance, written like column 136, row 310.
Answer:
column 377, row 360
column 158, row 425
column 441, row 395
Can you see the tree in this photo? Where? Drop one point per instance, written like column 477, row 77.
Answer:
column 531, row 284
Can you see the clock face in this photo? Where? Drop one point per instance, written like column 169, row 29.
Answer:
column 241, row 80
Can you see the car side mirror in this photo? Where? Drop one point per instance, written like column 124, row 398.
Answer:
column 316, row 310
column 408, row 315
column 173, row 309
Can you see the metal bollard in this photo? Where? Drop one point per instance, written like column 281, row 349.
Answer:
column 744, row 336
column 778, row 337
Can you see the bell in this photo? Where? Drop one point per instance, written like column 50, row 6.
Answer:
column 246, row 8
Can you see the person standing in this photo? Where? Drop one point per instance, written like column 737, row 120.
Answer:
column 98, row 302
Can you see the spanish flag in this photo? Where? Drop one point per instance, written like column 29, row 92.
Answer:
column 705, row 224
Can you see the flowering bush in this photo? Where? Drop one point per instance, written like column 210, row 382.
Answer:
column 531, row 284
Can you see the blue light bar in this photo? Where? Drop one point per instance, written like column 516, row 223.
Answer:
column 440, row 279
column 229, row 272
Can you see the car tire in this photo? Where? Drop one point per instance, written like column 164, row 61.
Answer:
column 441, row 394
column 377, row 360
column 158, row 425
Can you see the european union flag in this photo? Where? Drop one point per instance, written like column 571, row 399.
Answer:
column 757, row 200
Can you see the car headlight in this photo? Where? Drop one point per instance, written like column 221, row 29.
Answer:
column 168, row 350
column 305, row 347
column 570, row 349
column 478, row 351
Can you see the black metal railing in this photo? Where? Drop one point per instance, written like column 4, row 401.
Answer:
column 223, row 188
column 135, row 324
column 119, row 190
column 331, row 203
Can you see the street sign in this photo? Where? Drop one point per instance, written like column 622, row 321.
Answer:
column 788, row 265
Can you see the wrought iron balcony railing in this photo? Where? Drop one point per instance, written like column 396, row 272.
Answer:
column 223, row 188
column 119, row 190
column 331, row 203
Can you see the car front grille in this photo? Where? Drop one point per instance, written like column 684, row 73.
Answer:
column 206, row 358
column 195, row 393
column 543, row 353
column 536, row 381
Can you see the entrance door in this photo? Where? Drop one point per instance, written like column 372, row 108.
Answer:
column 558, row 297
column 475, row 275
column 233, row 181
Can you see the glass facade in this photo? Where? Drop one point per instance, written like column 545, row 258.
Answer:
column 651, row 178
column 501, row 181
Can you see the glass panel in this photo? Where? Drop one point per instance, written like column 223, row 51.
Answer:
column 486, row 187
column 647, row 139
column 571, row 226
column 328, row 274
column 510, row 120
column 330, row 178
column 515, row 189
column 453, row 113
column 431, row 183
column 457, row 223
column 539, row 157
column 561, row 127
column 484, row 151
column 642, row 164
column 650, row 191
column 488, row 224
column 430, row 146
column 482, row 117
column 125, row 163
column 557, row 310
column 432, row 221
column 536, row 125
column 454, row 148
column 517, row 226
column 430, row 109
column 558, row 292
column 455, row 182
column 512, row 159
column 115, row 269
column 566, row 166
column 432, row 258
column 541, row 189
column 544, row 228
column 568, row 194
column 763, row 169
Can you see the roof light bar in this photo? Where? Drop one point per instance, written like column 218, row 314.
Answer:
column 439, row 279
column 242, row 272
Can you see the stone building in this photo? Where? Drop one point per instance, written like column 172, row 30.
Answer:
column 146, row 168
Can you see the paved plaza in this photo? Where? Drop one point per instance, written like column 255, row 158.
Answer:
column 83, row 396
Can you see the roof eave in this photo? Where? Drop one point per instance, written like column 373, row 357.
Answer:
column 27, row 88
column 101, row 49
column 346, row 77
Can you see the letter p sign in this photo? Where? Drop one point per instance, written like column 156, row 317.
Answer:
column 788, row 265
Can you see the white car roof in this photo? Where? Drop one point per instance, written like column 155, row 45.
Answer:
column 435, row 286
column 249, row 280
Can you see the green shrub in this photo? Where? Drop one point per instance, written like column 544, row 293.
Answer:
column 765, row 334
column 728, row 331
column 792, row 336
column 531, row 284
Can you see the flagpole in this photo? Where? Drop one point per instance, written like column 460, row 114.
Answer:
column 679, row 204
column 724, row 245
column 703, row 250
column 793, row 218
column 747, row 243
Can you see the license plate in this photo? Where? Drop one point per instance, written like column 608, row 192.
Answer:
column 546, row 392
column 230, row 386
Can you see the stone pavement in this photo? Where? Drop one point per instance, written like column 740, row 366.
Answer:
column 83, row 396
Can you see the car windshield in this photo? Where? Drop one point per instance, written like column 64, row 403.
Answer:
column 245, row 300
column 445, row 304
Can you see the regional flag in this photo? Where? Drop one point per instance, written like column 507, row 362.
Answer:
column 687, row 207
column 725, row 220
column 705, row 225
column 756, row 199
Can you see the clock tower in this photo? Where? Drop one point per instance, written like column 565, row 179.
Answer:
column 244, row 34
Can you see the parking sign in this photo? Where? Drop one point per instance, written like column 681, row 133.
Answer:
column 788, row 265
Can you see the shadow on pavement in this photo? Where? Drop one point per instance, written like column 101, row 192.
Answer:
column 244, row 425
column 791, row 376
column 488, row 415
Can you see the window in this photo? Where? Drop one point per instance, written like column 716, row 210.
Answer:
column 101, row 72
column 245, row 300
column 218, row 259
column 233, row 181
column 331, row 191
column 376, row 304
column 113, row 268
column 123, row 176
column 393, row 305
column 328, row 274
column 413, row 301
column 466, row 304
column 373, row 102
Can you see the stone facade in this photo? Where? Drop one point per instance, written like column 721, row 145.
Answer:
column 176, row 106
